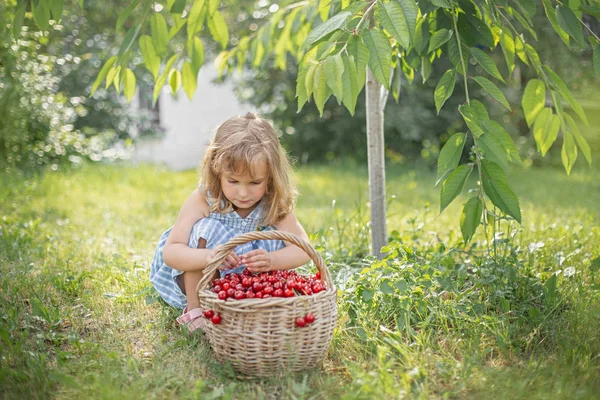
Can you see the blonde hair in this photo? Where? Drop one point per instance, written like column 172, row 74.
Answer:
column 242, row 144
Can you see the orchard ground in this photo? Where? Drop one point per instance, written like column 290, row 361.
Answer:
column 79, row 318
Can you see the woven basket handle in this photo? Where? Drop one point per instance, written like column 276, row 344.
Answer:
column 225, row 249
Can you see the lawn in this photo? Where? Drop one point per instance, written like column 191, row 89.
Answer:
column 79, row 319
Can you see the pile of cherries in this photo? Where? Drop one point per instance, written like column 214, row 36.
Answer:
column 267, row 284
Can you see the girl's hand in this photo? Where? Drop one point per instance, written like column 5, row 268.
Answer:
column 258, row 260
column 230, row 262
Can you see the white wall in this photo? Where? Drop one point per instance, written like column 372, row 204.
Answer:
column 189, row 125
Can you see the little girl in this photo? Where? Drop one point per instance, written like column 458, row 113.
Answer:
column 244, row 186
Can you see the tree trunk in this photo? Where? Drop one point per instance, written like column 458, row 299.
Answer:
column 375, row 151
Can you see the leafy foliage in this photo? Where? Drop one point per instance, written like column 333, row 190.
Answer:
column 391, row 38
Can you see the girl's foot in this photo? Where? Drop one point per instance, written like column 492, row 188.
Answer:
column 192, row 319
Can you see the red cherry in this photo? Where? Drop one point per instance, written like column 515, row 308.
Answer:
column 209, row 313
column 257, row 287
column 225, row 286
column 266, row 296
column 258, row 295
column 222, row 295
column 230, row 292
column 300, row 322
column 288, row 293
column 250, row 294
column 268, row 290
column 278, row 293
column 318, row 275
column 239, row 295
column 310, row 318
column 216, row 319
column 317, row 287
column 246, row 282
column 217, row 289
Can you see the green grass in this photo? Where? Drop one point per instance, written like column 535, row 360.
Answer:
column 78, row 317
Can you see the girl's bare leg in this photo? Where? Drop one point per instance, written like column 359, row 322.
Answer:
column 190, row 282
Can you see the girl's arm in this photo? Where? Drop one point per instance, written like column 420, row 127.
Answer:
column 289, row 257
column 177, row 254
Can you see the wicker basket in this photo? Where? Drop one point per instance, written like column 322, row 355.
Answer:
column 259, row 336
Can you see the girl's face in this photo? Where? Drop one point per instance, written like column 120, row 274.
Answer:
column 244, row 191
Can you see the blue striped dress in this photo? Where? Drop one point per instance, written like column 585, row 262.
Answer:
column 216, row 229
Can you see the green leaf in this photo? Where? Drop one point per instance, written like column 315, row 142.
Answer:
column 455, row 56
column 301, row 93
column 421, row 37
column 56, row 9
column 310, row 78
column 508, row 49
column 19, row 18
column 380, row 55
column 102, row 74
column 393, row 20
column 41, row 14
column 566, row 93
column 160, row 34
column 471, row 119
column 334, row 23
column 450, row 155
column 453, row 185
column 321, row 90
column 441, row 3
column 444, row 89
column 480, row 110
column 334, row 69
column 125, row 14
column 151, row 60
column 213, row 5
column 385, row 287
column 496, row 188
column 534, row 99
column 470, row 217
column 492, row 90
column 551, row 15
column 486, row 63
column 349, row 79
column 545, row 129
column 568, row 153
column 196, row 18
column 177, row 7
column 495, row 129
column 397, row 22
column 196, row 53
column 439, row 38
column 113, row 77
column 492, row 149
column 520, row 51
column 218, row 28
column 367, row 295
column 426, row 68
column 401, row 285
column 410, row 14
column 569, row 22
column 357, row 49
column 129, row 84
column 583, row 144
column 189, row 79
column 175, row 80
column 596, row 58
column 407, row 70
column 162, row 79
column 397, row 82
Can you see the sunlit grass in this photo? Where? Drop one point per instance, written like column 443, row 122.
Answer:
column 75, row 247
